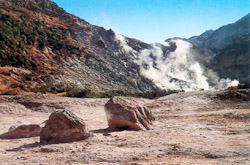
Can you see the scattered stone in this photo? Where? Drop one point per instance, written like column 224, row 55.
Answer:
column 17, row 124
column 63, row 126
column 22, row 131
column 126, row 113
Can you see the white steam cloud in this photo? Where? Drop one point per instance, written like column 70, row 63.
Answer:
column 178, row 70
column 123, row 43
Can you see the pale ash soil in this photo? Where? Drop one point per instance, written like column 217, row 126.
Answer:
column 190, row 128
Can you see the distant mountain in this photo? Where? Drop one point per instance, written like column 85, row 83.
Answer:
column 220, row 38
column 230, row 47
column 43, row 48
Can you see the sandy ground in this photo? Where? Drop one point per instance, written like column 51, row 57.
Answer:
column 190, row 128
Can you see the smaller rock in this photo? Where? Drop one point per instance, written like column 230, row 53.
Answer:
column 17, row 124
column 63, row 126
column 126, row 113
column 22, row 131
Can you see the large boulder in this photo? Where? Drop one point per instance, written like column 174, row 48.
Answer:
column 126, row 113
column 22, row 131
column 63, row 126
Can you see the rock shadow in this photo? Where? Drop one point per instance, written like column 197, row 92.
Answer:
column 3, row 137
column 101, row 131
column 25, row 146
column 107, row 130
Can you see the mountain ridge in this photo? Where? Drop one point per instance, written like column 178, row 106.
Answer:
column 229, row 45
column 66, row 52
column 46, row 49
column 219, row 38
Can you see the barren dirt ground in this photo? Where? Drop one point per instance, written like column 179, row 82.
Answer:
column 205, row 127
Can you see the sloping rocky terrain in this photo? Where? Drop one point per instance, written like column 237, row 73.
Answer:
column 206, row 127
column 45, row 49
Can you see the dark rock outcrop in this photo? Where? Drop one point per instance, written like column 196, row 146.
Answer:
column 22, row 131
column 125, row 113
column 63, row 126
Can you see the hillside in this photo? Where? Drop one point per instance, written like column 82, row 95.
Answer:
column 233, row 61
column 230, row 49
column 45, row 49
column 221, row 37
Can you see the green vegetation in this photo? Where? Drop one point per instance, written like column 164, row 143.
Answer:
column 51, row 89
column 87, row 93
column 11, row 45
column 80, row 93
column 16, row 36
column 90, row 94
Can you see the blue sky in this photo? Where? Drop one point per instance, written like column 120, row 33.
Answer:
column 156, row 20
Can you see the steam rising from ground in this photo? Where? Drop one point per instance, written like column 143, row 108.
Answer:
column 123, row 43
column 178, row 70
column 175, row 70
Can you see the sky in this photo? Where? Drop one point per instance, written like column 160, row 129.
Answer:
column 156, row 20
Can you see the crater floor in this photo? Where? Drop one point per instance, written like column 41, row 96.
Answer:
column 207, row 127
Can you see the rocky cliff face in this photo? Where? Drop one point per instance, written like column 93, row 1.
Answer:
column 43, row 48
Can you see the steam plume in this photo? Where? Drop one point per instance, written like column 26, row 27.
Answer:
column 178, row 70
column 123, row 43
